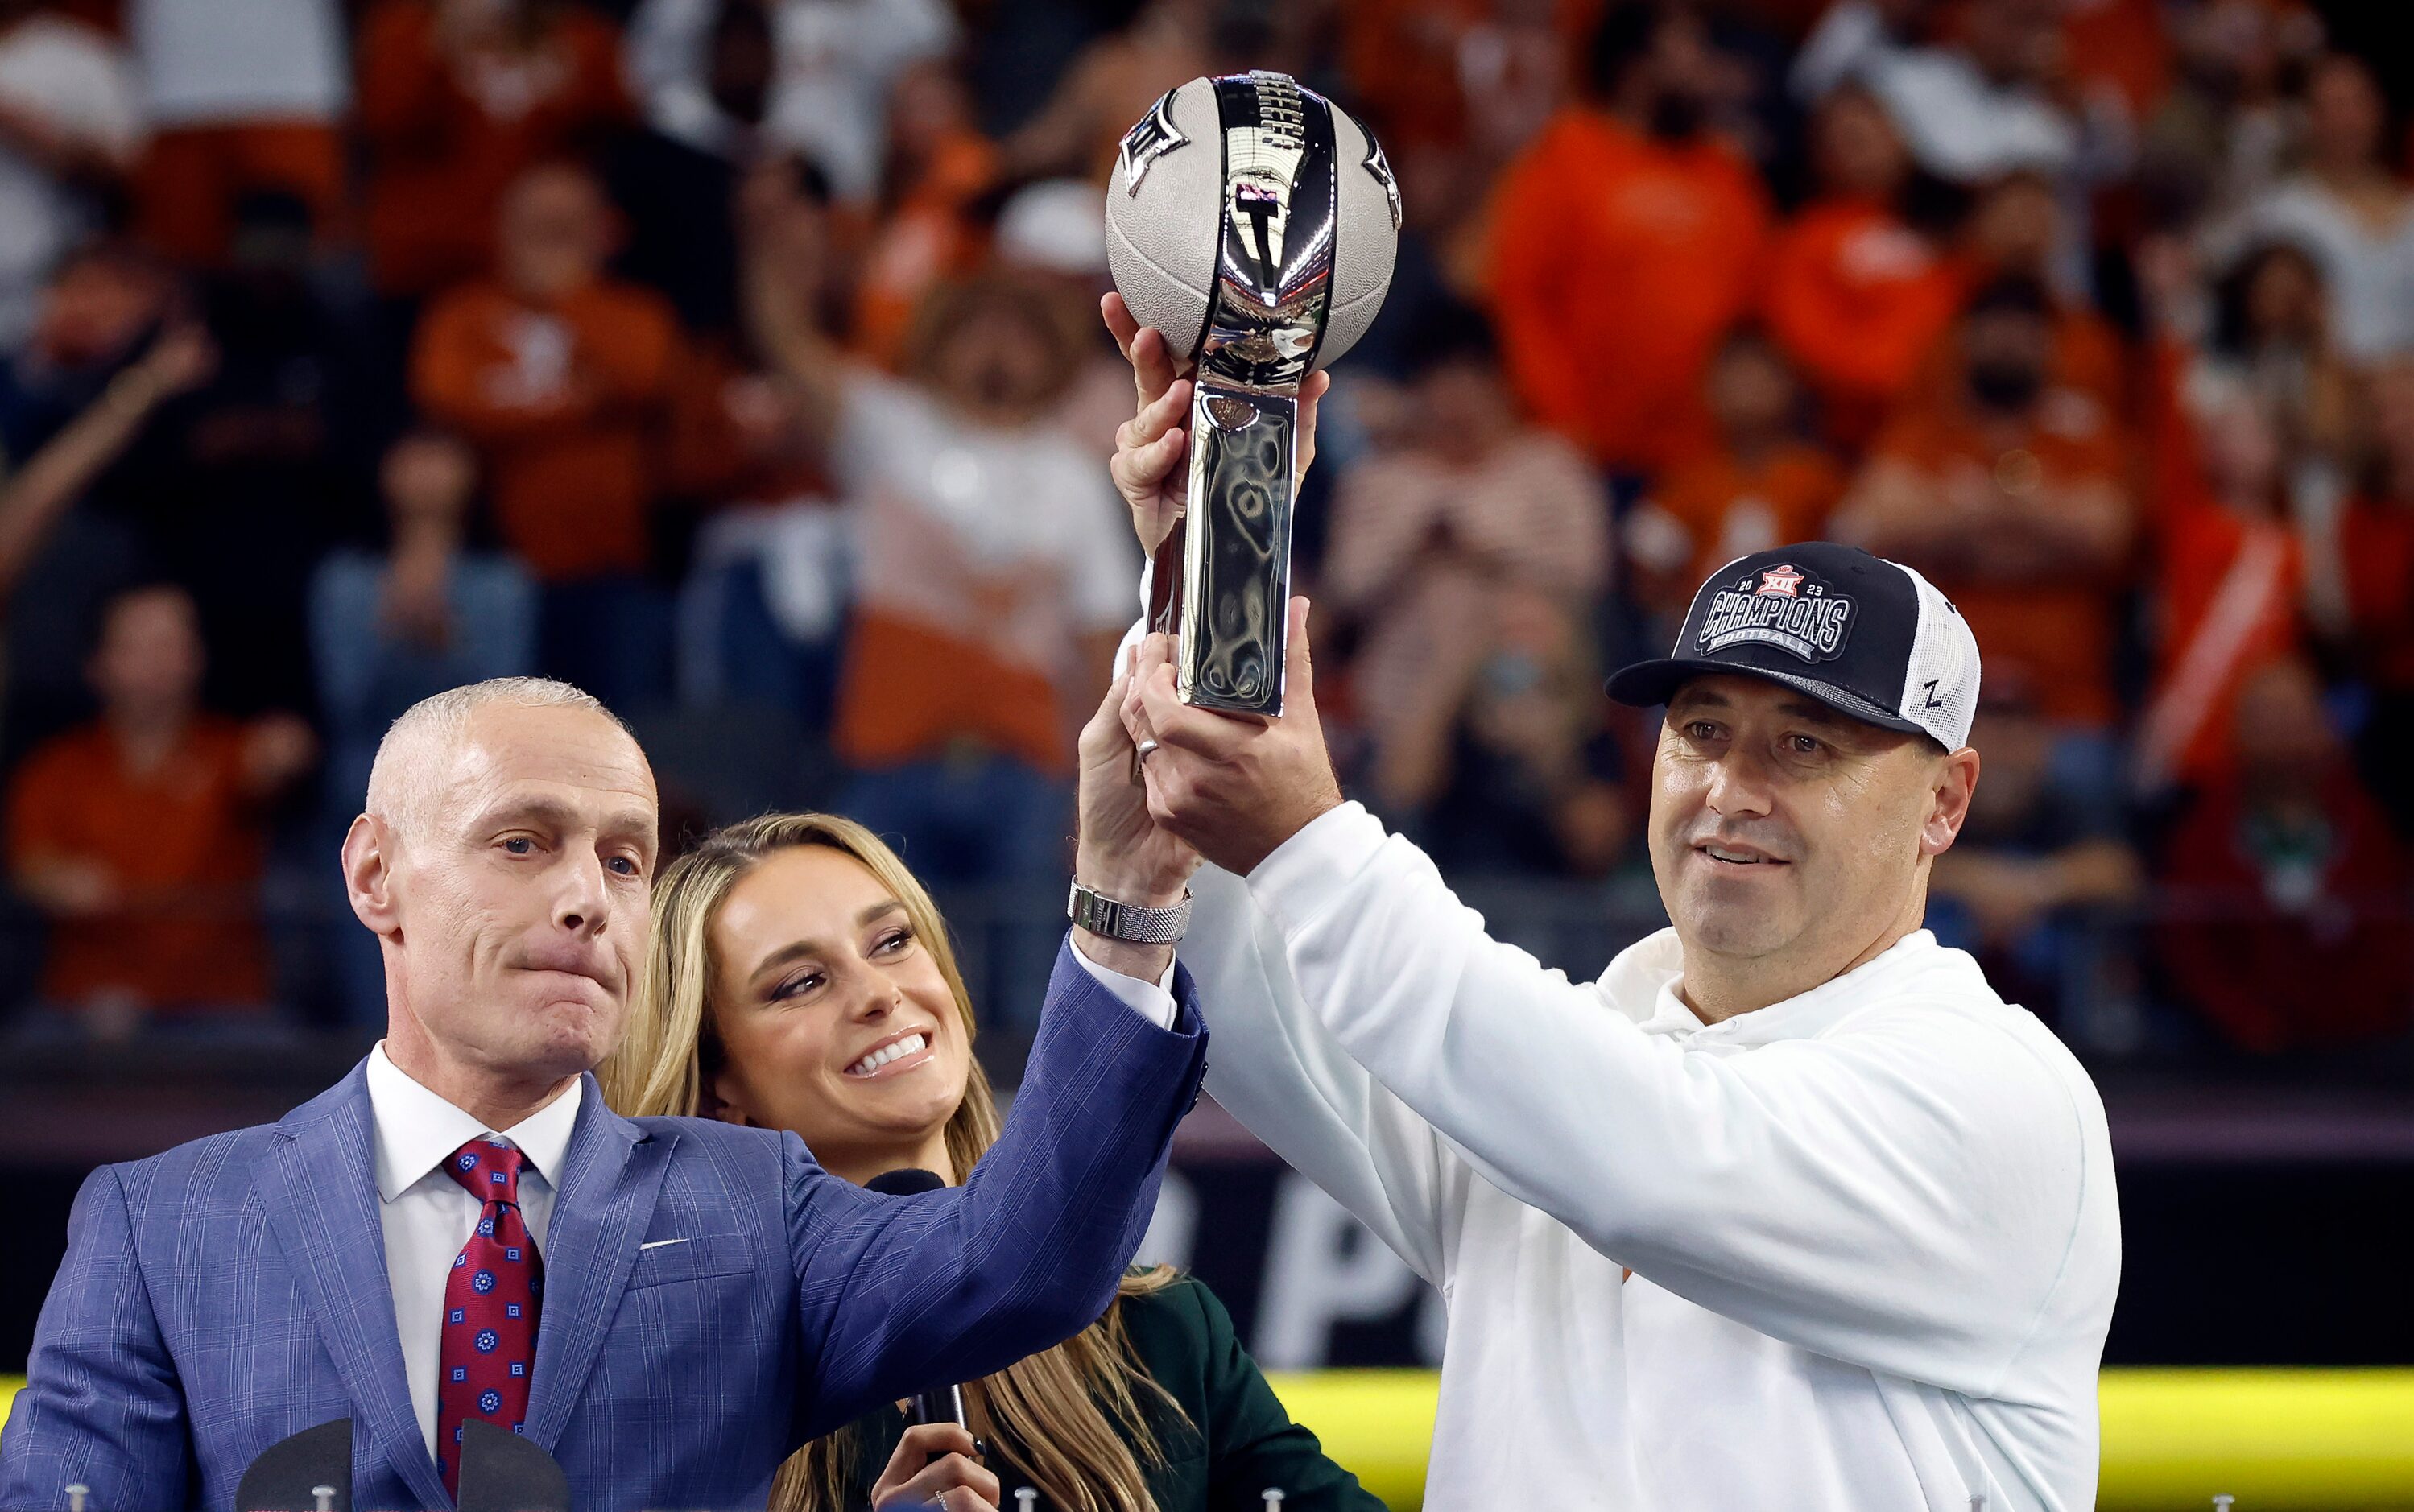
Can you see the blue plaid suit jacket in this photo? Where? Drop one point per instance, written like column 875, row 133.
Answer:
column 233, row 1291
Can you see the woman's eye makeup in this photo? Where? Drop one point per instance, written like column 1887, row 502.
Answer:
column 891, row 941
column 791, row 987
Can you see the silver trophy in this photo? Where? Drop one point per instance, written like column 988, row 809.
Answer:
column 1300, row 259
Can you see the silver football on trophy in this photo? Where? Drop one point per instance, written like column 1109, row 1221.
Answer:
column 1167, row 206
column 1255, row 225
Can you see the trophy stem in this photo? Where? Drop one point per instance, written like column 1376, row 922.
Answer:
column 1236, row 548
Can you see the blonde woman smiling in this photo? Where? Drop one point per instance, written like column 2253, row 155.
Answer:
column 801, row 978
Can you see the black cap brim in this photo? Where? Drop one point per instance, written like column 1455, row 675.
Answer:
column 1650, row 684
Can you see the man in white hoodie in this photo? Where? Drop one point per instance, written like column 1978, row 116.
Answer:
column 1788, row 1210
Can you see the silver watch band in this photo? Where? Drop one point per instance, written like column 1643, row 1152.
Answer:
column 1103, row 916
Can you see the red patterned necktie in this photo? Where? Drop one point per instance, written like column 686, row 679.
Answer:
column 490, row 1307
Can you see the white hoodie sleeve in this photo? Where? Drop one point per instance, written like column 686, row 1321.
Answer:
column 1277, row 1069
column 1898, row 1192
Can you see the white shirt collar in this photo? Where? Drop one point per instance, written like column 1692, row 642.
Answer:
column 416, row 1129
column 1656, row 964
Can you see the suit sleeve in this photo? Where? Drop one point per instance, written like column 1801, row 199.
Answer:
column 1252, row 1443
column 101, row 1404
column 1900, row 1197
column 900, row 1293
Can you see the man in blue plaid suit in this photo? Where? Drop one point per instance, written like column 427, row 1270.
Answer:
column 701, row 1298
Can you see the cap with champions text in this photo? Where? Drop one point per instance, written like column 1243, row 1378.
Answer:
column 1863, row 635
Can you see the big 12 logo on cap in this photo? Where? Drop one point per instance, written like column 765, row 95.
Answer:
column 1784, row 606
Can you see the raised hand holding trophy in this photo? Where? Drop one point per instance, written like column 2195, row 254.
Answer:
column 1254, row 225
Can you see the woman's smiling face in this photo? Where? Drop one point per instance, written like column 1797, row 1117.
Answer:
column 832, row 1013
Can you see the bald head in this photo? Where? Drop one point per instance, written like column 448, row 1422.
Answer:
column 424, row 750
column 504, row 863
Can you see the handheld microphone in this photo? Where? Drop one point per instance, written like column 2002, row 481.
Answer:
column 940, row 1404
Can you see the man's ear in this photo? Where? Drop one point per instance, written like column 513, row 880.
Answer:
column 1948, row 806
column 369, row 874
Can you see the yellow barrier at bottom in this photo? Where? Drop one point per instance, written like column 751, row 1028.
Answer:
column 2315, row 1440
column 1378, row 1424
column 2279, row 1441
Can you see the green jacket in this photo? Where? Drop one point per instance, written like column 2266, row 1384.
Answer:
column 1238, row 1440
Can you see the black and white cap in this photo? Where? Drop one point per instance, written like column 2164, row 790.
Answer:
column 1863, row 635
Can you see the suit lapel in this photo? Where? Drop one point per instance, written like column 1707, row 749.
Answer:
column 320, row 1180
column 611, row 1177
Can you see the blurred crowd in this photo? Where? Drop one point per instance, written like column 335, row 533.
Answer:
column 739, row 361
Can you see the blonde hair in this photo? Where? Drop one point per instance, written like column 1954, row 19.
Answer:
column 1056, row 1411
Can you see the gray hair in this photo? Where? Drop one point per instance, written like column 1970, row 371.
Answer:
column 400, row 780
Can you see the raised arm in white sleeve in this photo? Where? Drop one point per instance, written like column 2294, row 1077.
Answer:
column 1280, row 1071
column 1898, row 1191
column 1283, row 1074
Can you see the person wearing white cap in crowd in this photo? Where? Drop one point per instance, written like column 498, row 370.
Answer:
column 1054, row 233
column 1055, row 226
column 1789, row 1209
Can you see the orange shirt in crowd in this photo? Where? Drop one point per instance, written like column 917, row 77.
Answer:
column 715, row 455
column 1857, row 300
column 567, row 404
column 2057, row 635
column 1412, row 62
column 2225, row 606
column 2122, row 46
column 1730, row 508
column 181, row 848
column 1618, row 265
column 930, row 237
column 2088, row 358
column 186, row 188
column 445, row 140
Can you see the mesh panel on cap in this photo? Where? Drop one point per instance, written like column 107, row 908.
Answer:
column 1944, row 653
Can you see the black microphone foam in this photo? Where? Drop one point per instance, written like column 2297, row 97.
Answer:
column 504, row 1471
column 288, row 1473
column 905, row 1182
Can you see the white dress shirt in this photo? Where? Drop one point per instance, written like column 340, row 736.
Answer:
column 1151, row 1001
column 427, row 1216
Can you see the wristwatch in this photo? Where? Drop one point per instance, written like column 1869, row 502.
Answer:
column 1103, row 916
